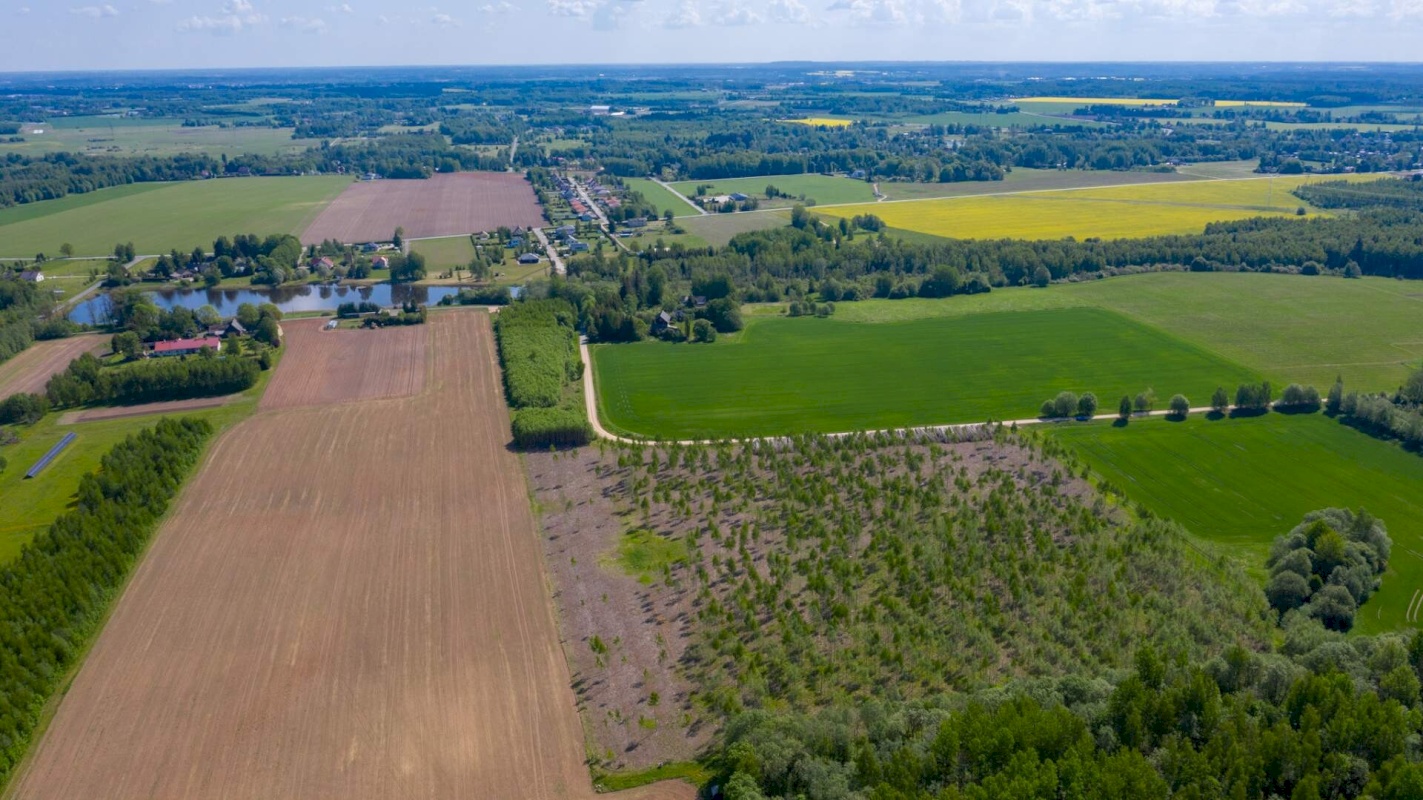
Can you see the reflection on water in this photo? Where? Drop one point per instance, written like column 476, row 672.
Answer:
column 290, row 299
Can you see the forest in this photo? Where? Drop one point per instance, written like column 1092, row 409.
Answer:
column 87, row 382
column 57, row 592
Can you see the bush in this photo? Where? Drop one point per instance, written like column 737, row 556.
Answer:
column 702, row 331
column 1179, row 406
column 23, row 409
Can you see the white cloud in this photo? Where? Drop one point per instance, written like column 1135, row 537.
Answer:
column 792, row 11
column 873, row 12
column 1402, row 9
column 733, row 13
column 581, row 9
column 305, row 24
column 444, row 21
column 501, row 7
column 95, row 12
column 687, row 15
column 344, row 8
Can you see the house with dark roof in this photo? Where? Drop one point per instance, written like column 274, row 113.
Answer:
column 32, row 276
column 231, row 329
column 528, row 258
column 661, row 322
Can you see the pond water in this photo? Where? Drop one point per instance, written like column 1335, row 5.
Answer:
column 290, row 299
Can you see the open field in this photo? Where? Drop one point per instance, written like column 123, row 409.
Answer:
column 445, row 253
column 786, row 375
column 151, row 137
column 1026, row 179
column 445, row 205
column 1011, row 119
column 1290, row 328
column 659, row 197
column 161, row 217
column 717, row 229
column 346, row 602
column 823, row 189
column 326, row 367
column 1107, row 212
column 1242, row 482
column 1096, row 101
column 145, row 410
column 31, row 370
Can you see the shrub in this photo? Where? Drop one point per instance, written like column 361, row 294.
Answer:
column 1179, row 406
column 556, row 427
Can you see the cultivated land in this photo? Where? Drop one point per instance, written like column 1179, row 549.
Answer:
column 1290, row 328
column 1240, row 483
column 823, row 189
column 1026, row 179
column 160, row 217
column 329, row 367
column 31, row 370
column 785, row 375
column 347, row 602
column 1107, row 213
column 445, row 205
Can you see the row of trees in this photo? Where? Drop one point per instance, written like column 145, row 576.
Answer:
column 1398, row 416
column 86, row 381
column 56, row 592
column 538, row 349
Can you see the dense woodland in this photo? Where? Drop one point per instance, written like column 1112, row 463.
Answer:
column 538, row 349
column 87, row 382
column 21, row 304
column 54, row 595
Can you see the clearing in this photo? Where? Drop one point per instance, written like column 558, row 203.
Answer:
column 1240, row 483
column 1118, row 212
column 324, row 367
column 163, row 216
column 31, row 369
column 447, row 204
column 783, row 375
column 346, row 602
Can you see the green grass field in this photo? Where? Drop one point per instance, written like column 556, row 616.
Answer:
column 1107, row 212
column 785, row 375
column 823, row 189
column 659, row 197
column 1239, row 483
column 1290, row 328
column 1024, row 179
column 152, row 137
column 717, row 229
column 166, row 216
column 1012, row 119
column 446, row 252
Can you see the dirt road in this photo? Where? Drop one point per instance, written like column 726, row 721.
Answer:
column 349, row 601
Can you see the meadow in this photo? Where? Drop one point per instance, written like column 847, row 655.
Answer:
column 659, row 197
column 717, row 229
column 151, row 137
column 1290, row 328
column 783, row 375
column 822, row 189
column 1116, row 212
column 1239, row 483
column 161, row 217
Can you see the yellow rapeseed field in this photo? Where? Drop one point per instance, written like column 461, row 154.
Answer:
column 1109, row 213
column 830, row 122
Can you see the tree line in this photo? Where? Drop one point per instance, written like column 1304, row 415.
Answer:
column 538, row 349
column 55, row 593
column 20, row 304
column 86, row 381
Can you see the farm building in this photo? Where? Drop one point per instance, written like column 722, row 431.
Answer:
column 32, row 276
column 528, row 258
column 185, row 347
column 635, row 222
column 738, row 196
column 231, row 329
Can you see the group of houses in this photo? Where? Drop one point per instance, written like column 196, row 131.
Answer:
column 211, row 340
column 567, row 235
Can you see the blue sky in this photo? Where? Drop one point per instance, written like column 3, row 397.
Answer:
column 129, row 34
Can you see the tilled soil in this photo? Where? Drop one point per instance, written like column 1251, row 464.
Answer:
column 444, row 205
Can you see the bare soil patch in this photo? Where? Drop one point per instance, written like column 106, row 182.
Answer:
column 347, row 602
column 322, row 367
column 121, row 412
column 31, row 370
column 444, row 205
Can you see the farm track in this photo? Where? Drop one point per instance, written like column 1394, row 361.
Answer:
column 123, row 412
column 348, row 601
column 31, row 370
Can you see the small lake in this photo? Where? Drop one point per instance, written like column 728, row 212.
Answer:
column 290, row 299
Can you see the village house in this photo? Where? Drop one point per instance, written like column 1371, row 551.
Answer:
column 231, row 329
column 185, row 347
column 32, row 276
column 528, row 258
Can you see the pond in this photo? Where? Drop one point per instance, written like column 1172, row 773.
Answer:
column 290, row 299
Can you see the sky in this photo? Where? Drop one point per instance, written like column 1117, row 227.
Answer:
column 175, row 34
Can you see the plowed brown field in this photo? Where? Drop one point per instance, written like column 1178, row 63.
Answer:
column 445, row 205
column 31, row 370
column 347, row 602
column 322, row 367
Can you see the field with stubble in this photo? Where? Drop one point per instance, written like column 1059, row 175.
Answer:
column 448, row 204
column 323, row 367
column 348, row 601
